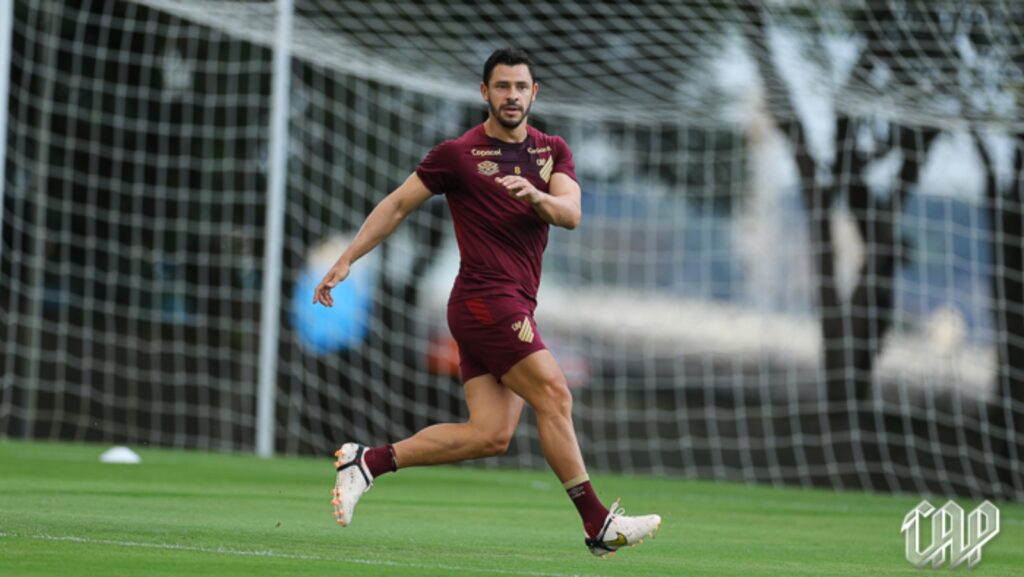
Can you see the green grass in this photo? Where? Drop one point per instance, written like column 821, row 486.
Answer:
column 186, row 513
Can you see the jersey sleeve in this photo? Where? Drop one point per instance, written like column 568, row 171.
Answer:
column 563, row 159
column 437, row 168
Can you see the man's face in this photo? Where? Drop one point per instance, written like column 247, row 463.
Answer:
column 510, row 94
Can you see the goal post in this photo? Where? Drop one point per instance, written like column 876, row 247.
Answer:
column 6, row 24
column 271, row 313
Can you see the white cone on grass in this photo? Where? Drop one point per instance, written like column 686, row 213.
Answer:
column 120, row 455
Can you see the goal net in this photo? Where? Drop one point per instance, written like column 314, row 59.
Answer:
column 799, row 263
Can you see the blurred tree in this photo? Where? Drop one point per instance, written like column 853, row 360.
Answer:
column 853, row 331
column 1006, row 214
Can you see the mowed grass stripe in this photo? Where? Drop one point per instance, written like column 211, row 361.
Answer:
column 179, row 512
column 276, row 554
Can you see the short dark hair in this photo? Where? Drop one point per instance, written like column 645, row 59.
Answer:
column 508, row 57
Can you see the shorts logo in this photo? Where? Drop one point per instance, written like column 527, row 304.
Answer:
column 487, row 167
column 546, row 168
column 524, row 330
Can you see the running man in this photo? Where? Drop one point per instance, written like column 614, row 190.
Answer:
column 506, row 182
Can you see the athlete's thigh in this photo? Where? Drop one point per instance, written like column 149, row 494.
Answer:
column 532, row 374
column 492, row 405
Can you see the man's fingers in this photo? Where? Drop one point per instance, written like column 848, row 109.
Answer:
column 323, row 298
column 514, row 187
column 514, row 182
column 322, row 294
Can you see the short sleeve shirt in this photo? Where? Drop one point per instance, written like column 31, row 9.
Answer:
column 501, row 239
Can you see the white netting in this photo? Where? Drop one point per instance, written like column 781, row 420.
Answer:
column 131, row 227
column 799, row 260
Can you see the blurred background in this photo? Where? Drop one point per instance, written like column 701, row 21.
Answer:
column 800, row 260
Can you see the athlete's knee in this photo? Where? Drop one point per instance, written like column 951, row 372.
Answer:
column 490, row 441
column 553, row 398
column 496, row 443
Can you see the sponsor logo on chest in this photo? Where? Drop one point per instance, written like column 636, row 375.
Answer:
column 546, row 164
column 486, row 152
column 487, row 168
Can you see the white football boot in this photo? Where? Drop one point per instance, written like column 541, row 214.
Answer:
column 353, row 480
column 620, row 530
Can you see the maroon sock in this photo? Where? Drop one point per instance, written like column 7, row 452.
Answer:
column 589, row 506
column 380, row 460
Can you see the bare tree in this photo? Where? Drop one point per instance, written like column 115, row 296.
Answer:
column 1006, row 241
column 853, row 331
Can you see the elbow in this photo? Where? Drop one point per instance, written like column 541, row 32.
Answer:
column 573, row 221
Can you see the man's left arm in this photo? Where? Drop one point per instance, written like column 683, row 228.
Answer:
column 560, row 206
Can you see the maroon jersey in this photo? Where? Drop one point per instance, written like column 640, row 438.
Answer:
column 501, row 239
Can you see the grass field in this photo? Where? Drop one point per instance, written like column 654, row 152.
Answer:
column 185, row 513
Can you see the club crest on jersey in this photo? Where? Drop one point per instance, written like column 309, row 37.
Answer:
column 546, row 168
column 487, row 167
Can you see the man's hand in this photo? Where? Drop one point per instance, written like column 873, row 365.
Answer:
column 520, row 188
column 322, row 293
column 559, row 206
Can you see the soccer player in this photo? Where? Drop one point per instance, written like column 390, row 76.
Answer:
column 505, row 182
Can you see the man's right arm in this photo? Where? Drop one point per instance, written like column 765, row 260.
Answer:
column 381, row 222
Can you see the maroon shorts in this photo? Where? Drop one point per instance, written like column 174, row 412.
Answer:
column 492, row 334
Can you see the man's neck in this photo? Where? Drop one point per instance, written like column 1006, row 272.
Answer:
column 495, row 130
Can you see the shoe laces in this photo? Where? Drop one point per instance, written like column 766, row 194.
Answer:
column 616, row 510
